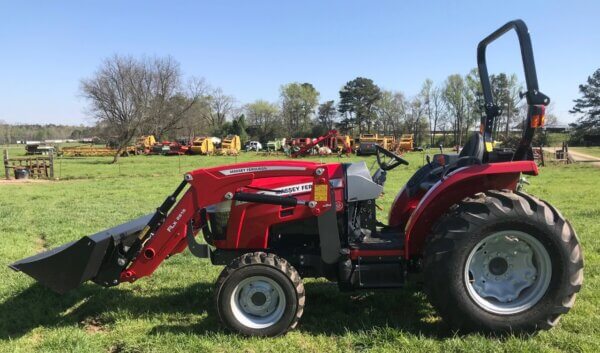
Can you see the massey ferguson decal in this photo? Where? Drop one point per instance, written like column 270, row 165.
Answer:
column 258, row 169
column 295, row 189
column 299, row 188
column 289, row 189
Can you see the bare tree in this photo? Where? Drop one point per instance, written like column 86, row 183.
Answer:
column 512, row 101
column 435, row 107
column 119, row 95
column 220, row 106
column 264, row 119
column 416, row 116
column 5, row 132
column 193, row 123
column 391, row 109
column 454, row 95
column 126, row 95
column 170, row 99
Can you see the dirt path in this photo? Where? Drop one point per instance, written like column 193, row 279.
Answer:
column 22, row 181
column 582, row 157
column 578, row 156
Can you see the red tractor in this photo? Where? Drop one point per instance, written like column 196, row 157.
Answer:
column 493, row 258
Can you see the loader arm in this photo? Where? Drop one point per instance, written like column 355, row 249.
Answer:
column 208, row 187
column 135, row 249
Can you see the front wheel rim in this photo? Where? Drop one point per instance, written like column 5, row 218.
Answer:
column 507, row 272
column 258, row 302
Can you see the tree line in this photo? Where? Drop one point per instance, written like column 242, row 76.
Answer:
column 128, row 97
column 11, row 133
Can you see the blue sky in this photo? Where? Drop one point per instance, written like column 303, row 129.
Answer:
column 250, row 48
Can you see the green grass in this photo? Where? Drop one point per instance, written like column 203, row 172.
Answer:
column 172, row 311
column 592, row 151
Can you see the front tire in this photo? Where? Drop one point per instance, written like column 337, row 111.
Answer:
column 260, row 294
column 503, row 261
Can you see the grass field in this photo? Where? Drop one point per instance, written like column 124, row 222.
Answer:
column 172, row 311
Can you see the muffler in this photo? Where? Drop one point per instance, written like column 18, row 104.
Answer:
column 96, row 257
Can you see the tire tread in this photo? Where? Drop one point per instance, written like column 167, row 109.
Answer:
column 470, row 213
column 270, row 260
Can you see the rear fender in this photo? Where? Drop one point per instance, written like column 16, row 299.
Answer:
column 456, row 186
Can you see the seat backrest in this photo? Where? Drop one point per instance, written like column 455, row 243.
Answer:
column 473, row 147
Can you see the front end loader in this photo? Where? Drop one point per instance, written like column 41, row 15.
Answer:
column 493, row 258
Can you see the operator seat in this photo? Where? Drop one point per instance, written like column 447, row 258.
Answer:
column 430, row 174
column 474, row 147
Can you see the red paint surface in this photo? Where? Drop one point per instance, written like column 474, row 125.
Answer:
column 249, row 223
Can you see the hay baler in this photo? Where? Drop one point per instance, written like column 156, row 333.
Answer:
column 493, row 258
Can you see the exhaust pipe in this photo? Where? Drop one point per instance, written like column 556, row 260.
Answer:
column 96, row 257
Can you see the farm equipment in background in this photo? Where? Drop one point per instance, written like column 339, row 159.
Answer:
column 94, row 151
column 368, row 142
column 253, row 146
column 159, row 148
column 144, row 144
column 177, row 148
column 492, row 258
column 230, row 146
column 406, row 143
column 318, row 145
column 343, row 145
column 276, row 145
column 366, row 145
column 39, row 148
column 202, row 145
column 298, row 143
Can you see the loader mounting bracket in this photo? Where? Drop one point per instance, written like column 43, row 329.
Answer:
column 198, row 250
column 329, row 235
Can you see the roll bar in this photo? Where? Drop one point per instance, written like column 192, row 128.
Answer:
column 533, row 95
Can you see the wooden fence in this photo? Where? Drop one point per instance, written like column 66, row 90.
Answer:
column 39, row 167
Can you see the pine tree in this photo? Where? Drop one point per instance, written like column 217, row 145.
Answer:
column 588, row 104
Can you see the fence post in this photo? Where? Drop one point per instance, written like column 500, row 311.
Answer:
column 51, row 165
column 6, row 168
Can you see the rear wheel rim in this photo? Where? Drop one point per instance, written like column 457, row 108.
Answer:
column 507, row 272
column 258, row 302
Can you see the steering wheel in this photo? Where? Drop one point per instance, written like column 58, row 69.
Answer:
column 396, row 160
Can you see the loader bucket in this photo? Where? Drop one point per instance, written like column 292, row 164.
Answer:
column 66, row 267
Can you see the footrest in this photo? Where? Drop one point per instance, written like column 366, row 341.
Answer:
column 385, row 239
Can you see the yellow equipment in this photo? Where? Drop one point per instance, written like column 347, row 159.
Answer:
column 382, row 140
column 230, row 145
column 406, row 142
column 144, row 143
column 92, row 151
column 344, row 144
column 202, row 145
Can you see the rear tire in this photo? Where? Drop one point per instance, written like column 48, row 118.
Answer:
column 525, row 250
column 260, row 294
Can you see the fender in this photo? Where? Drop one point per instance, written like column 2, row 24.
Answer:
column 456, row 186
